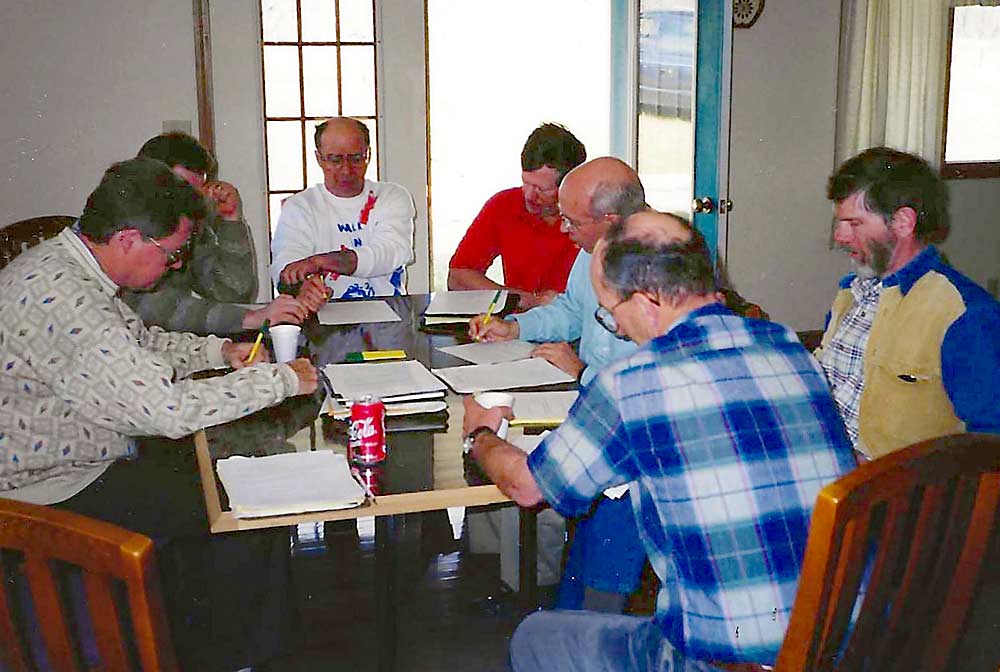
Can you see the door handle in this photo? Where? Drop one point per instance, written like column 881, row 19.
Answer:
column 704, row 204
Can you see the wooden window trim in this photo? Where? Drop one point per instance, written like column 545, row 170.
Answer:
column 956, row 170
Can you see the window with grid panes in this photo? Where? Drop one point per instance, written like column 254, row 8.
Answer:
column 318, row 61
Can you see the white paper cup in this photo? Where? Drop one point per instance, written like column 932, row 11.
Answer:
column 494, row 399
column 285, row 339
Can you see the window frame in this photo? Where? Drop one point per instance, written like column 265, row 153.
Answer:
column 303, row 119
column 956, row 170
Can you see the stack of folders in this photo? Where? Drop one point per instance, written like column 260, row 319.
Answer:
column 404, row 387
column 290, row 483
column 458, row 307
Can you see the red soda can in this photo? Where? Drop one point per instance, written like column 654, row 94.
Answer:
column 366, row 435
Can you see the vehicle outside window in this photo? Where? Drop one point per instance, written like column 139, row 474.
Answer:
column 666, row 62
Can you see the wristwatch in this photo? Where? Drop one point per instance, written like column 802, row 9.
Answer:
column 470, row 438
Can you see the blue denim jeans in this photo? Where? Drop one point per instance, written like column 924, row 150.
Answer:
column 587, row 641
column 606, row 554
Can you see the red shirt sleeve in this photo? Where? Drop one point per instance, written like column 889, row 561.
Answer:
column 481, row 243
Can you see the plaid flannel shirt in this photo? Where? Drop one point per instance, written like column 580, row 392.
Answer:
column 843, row 359
column 727, row 427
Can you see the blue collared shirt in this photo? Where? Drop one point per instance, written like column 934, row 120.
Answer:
column 728, row 428
column 571, row 316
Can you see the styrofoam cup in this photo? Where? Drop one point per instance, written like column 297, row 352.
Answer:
column 285, row 339
column 494, row 399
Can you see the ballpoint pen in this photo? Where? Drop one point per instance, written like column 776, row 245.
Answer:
column 256, row 344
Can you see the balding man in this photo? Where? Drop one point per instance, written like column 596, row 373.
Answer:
column 713, row 450
column 606, row 558
column 591, row 198
column 356, row 233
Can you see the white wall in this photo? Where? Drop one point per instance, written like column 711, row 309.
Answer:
column 974, row 244
column 782, row 129
column 84, row 84
column 239, row 117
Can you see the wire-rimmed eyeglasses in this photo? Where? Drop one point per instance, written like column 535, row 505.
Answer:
column 174, row 256
column 606, row 316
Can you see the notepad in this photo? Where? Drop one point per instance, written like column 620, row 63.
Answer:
column 492, row 352
column 469, row 302
column 356, row 312
column 385, row 380
column 505, row 376
column 341, row 410
column 542, row 409
column 288, row 483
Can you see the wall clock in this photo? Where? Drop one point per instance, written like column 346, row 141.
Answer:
column 745, row 12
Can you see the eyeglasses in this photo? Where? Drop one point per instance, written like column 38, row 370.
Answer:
column 339, row 159
column 175, row 256
column 606, row 316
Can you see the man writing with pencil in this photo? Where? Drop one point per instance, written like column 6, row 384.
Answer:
column 82, row 377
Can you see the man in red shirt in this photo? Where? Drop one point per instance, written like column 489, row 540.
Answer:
column 522, row 226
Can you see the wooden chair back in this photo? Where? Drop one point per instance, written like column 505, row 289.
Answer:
column 17, row 237
column 123, row 605
column 906, row 536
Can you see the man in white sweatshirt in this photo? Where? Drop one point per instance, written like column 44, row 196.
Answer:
column 357, row 233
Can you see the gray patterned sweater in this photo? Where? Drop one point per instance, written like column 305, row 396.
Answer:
column 80, row 374
column 203, row 296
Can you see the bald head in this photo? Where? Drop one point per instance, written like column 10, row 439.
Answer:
column 653, row 228
column 342, row 150
column 342, row 128
column 657, row 254
column 596, row 194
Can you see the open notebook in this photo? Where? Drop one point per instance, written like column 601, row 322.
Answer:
column 289, row 483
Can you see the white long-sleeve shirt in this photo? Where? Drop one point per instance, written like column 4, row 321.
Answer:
column 81, row 375
column 377, row 224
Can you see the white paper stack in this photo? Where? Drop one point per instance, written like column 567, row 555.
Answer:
column 288, row 483
column 505, row 376
column 542, row 408
column 492, row 352
column 356, row 312
column 469, row 302
column 392, row 382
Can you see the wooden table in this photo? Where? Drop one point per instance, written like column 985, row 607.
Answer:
column 425, row 469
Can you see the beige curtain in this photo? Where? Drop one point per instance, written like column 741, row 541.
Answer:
column 890, row 89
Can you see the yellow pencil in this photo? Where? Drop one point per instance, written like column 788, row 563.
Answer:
column 491, row 307
column 256, row 344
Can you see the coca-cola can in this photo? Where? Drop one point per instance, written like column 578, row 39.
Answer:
column 366, row 435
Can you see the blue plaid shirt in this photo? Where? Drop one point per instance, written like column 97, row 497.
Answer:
column 728, row 428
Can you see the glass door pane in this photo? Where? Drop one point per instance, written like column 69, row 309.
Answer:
column 665, row 156
column 496, row 71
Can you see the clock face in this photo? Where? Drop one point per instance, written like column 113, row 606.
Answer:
column 745, row 12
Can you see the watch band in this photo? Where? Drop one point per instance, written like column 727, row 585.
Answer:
column 471, row 437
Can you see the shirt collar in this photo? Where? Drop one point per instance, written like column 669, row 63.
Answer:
column 80, row 250
column 908, row 275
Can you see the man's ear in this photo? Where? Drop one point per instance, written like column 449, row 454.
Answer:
column 904, row 222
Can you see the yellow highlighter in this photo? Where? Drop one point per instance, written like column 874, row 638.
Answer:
column 374, row 355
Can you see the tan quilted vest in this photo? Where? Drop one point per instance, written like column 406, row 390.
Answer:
column 904, row 400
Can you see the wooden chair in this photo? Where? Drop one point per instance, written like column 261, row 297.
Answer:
column 120, row 586
column 910, row 531
column 17, row 237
